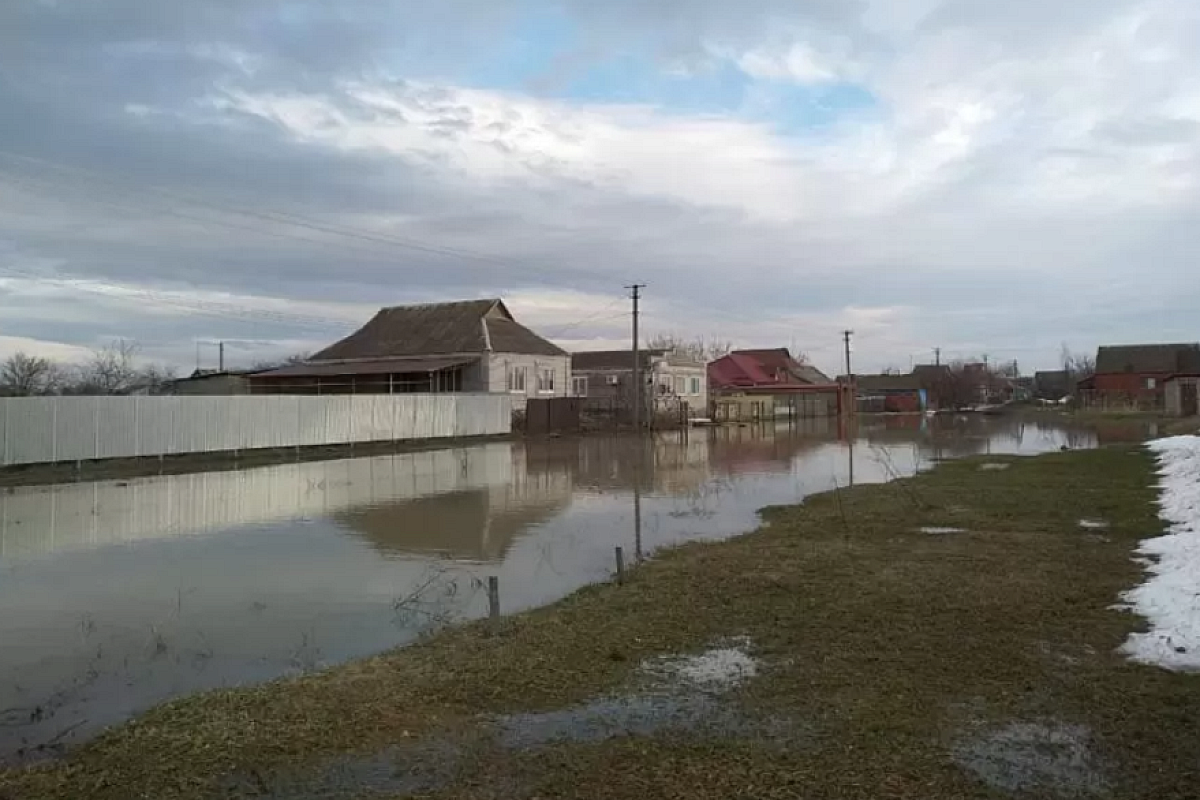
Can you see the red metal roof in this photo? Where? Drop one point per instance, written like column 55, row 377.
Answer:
column 763, row 369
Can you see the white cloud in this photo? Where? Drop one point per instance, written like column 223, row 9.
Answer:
column 1017, row 155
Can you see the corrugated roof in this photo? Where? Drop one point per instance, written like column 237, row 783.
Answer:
column 773, row 367
column 1159, row 358
column 381, row 366
column 439, row 329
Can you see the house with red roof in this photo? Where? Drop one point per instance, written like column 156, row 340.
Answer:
column 765, row 384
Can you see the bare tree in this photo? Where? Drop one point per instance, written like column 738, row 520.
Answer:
column 23, row 375
column 698, row 349
column 296, row 358
column 113, row 370
column 1078, row 366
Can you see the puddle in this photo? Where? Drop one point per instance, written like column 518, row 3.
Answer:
column 680, row 694
column 936, row 531
column 1041, row 759
column 993, row 466
column 424, row 767
column 1093, row 524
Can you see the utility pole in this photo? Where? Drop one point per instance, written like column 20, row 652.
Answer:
column 937, row 356
column 635, row 295
column 220, row 356
column 846, row 338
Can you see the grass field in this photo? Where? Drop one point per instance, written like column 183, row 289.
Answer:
column 974, row 662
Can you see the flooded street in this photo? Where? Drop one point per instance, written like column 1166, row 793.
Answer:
column 117, row 595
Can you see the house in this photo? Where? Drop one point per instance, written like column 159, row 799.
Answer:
column 1180, row 394
column 1134, row 376
column 670, row 379
column 761, row 384
column 211, row 382
column 891, row 393
column 1054, row 384
column 467, row 346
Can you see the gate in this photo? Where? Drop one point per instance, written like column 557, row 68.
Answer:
column 546, row 415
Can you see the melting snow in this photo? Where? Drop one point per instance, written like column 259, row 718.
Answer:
column 993, row 466
column 1093, row 524
column 1170, row 597
column 935, row 531
column 719, row 669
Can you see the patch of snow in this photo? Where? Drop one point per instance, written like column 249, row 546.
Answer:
column 718, row 669
column 1170, row 597
column 993, row 466
column 936, row 531
column 1093, row 524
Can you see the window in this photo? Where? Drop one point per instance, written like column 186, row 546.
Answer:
column 546, row 380
column 695, row 386
column 680, row 386
column 516, row 379
column 579, row 386
column 1151, row 383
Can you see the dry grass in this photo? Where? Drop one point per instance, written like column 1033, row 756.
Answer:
column 884, row 642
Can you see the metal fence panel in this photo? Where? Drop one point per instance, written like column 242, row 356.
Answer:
column 47, row 429
column 74, row 420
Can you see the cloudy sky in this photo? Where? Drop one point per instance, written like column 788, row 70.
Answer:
column 979, row 176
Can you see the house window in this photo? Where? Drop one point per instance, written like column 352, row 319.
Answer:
column 1151, row 383
column 695, row 386
column 516, row 379
column 546, row 380
column 680, row 386
column 579, row 386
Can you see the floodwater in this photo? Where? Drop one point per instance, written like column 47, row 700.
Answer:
column 120, row 594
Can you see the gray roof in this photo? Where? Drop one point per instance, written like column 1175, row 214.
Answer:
column 381, row 366
column 1141, row 358
column 439, row 329
column 871, row 384
column 600, row 360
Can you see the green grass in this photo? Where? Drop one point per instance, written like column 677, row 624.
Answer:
column 886, row 643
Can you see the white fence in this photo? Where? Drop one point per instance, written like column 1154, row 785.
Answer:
column 47, row 429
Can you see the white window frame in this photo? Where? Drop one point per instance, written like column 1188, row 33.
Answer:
column 680, row 385
column 579, row 385
column 694, row 385
column 545, row 380
column 518, row 379
column 1151, row 383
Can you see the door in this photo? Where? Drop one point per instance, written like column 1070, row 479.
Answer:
column 1188, row 398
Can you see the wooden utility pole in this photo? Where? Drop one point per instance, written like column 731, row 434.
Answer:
column 635, row 295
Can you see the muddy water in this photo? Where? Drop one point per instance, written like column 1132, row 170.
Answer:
column 117, row 595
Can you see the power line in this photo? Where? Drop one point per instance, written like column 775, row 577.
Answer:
column 295, row 220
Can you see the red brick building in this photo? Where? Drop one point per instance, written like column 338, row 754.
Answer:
column 1135, row 376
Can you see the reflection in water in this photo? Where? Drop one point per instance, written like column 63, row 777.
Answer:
column 120, row 594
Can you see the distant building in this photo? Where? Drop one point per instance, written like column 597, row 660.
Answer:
column 211, row 382
column 761, row 384
column 1135, row 376
column 670, row 379
column 468, row 346
column 890, row 393
column 1052, row 384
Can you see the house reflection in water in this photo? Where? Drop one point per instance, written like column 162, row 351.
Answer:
column 471, row 525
